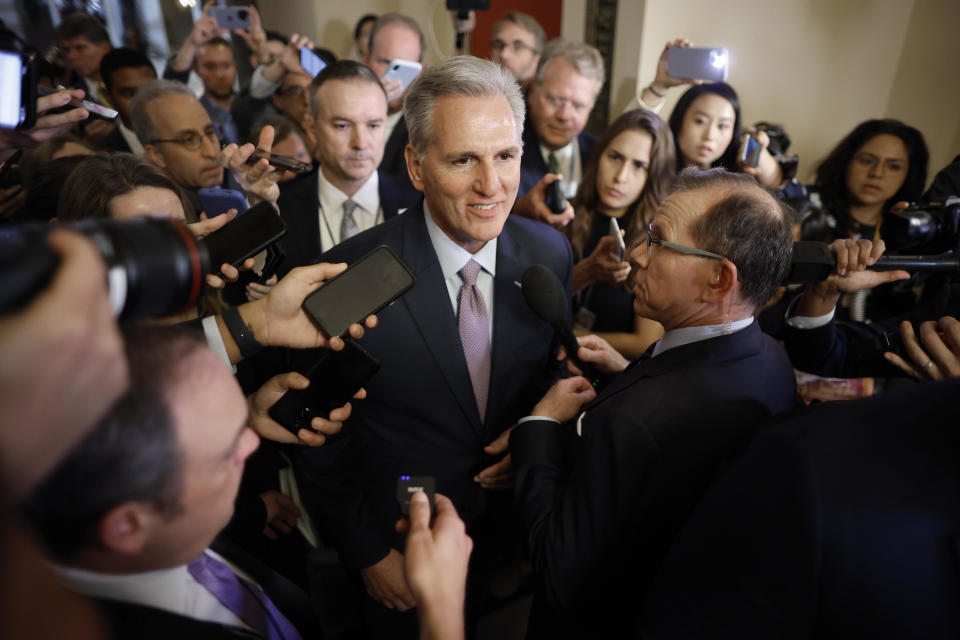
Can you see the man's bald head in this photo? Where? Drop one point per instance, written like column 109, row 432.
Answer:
column 746, row 225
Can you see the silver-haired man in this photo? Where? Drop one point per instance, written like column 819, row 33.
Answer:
column 462, row 355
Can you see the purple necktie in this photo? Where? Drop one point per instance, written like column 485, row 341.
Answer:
column 475, row 333
column 246, row 600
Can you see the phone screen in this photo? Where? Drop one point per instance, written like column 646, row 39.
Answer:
column 245, row 236
column 311, row 62
column 11, row 83
column 367, row 286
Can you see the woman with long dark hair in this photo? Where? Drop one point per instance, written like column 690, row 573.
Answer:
column 625, row 178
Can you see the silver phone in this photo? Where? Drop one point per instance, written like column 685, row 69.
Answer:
column 615, row 232
column 404, row 71
column 698, row 63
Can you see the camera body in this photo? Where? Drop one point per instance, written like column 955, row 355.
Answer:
column 18, row 90
column 924, row 228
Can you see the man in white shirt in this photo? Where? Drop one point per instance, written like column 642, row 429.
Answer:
column 658, row 433
column 347, row 194
column 129, row 514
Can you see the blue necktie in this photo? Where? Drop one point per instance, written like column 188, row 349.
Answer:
column 245, row 599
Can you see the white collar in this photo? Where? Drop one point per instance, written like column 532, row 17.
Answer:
column 136, row 147
column 565, row 157
column 367, row 197
column 452, row 256
column 686, row 335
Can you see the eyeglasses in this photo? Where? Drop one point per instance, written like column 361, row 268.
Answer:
column 296, row 91
column 679, row 247
column 517, row 46
column 193, row 140
column 556, row 103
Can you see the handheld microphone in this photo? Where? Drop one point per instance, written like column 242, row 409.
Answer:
column 546, row 296
column 813, row 262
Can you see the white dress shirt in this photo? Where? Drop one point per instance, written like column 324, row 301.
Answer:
column 686, row 335
column 173, row 590
column 568, row 159
column 367, row 214
column 453, row 257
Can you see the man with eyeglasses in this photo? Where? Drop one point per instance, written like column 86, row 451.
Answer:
column 565, row 87
column 604, row 479
column 177, row 134
column 517, row 42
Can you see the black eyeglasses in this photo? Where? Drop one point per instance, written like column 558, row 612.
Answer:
column 193, row 140
column 295, row 91
column 516, row 46
column 679, row 247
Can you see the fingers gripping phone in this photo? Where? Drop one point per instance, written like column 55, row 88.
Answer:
column 245, row 236
column 366, row 287
column 404, row 71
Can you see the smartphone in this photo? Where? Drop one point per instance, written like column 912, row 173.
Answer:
column 366, row 287
column 334, row 379
column 95, row 109
column 404, row 71
column 18, row 91
column 751, row 152
column 311, row 62
column 217, row 201
column 409, row 485
column 231, row 17
column 699, row 63
column 281, row 162
column 615, row 232
column 556, row 199
column 245, row 236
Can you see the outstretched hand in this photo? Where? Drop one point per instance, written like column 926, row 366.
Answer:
column 938, row 358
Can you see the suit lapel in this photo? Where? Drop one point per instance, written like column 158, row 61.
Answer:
column 430, row 309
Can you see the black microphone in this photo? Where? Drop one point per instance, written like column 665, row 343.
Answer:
column 548, row 299
column 463, row 14
column 813, row 262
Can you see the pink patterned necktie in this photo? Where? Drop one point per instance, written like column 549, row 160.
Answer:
column 475, row 333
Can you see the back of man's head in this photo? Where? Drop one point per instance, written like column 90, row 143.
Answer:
column 460, row 76
column 747, row 226
column 585, row 59
column 82, row 25
column 122, row 58
column 139, row 114
column 132, row 456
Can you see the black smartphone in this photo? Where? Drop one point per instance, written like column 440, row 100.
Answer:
column 366, row 287
column 281, row 162
column 409, row 485
column 334, row 378
column 245, row 236
column 556, row 199
column 18, row 91
column 216, row 201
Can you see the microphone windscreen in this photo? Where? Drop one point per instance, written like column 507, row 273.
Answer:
column 545, row 294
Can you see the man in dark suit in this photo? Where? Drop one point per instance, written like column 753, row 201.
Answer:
column 568, row 80
column 130, row 513
column 462, row 355
column 643, row 452
column 394, row 37
column 839, row 522
column 124, row 71
column 347, row 194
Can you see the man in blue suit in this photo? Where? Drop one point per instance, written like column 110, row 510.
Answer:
column 599, row 519
column 347, row 194
column 568, row 80
column 462, row 355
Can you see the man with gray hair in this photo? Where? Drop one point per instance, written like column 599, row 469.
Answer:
column 565, row 87
column 462, row 355
column 598, row 524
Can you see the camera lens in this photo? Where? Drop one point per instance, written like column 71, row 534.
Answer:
column 243, row 13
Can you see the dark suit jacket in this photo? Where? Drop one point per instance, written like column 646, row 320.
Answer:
column 532, row 166
column 300, row 201
column 394, row 160
column 420, row 416
column 653, row 441
column 115, row 142
column 839, row 522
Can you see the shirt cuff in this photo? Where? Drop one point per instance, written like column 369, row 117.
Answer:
column 259, row 87
column 804, row 322
column 529, row 418
column 215, row 341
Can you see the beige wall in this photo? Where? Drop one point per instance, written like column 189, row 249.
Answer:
column 817, row 66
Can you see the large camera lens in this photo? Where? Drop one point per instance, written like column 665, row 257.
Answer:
column 155, row 267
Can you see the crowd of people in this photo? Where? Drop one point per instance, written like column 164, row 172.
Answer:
column 665, row 480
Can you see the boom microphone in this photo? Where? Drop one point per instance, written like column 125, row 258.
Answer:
column 548, row 299
column 813, row 262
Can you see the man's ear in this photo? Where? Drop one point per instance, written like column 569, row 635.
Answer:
column 125, row 528
column 724, row 280
column 414, row 167
column 155, row 156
